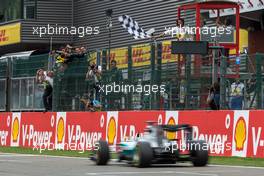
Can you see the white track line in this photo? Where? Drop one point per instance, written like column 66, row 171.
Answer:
column 15, row 161
column 151, row 173
column 39, row 155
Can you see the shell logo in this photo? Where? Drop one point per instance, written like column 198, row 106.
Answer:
column 111, row 131
column 240, row 133
column 15, row 130
column 60, row 130
column 171, row 135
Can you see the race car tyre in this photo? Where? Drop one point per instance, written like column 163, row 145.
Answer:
column 102, row 154
column 121, row 157
column 143, row 155
column 199, row 153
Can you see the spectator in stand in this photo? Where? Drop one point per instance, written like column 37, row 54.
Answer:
column 52, row 60
column 226, row 22
column 83, row 51
column 237, row 95
column 67, row 54
column 61, row 59
column 115, row 73
column 250, row 88
column 93, row 76
column 251, row 84
column 46, row 78
column 180, row 22
column 89, row 104
column 115, row 76
column 180, row 29
column 213, row 99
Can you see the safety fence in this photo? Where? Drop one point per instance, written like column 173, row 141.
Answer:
column 228, row 133
column 18, row 88
column 186, row 79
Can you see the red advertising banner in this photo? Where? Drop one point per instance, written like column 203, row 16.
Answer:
column 83, row 130
column 228, row 133
column 5, row 129
column 215, row 127
column 37, row 130
column 256, row 134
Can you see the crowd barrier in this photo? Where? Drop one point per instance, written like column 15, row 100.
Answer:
column 231, row 133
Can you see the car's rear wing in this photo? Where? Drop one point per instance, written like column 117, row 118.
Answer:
column 173, row 128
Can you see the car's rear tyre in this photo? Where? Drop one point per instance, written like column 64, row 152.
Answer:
column 143, row 155
column 102, row 154
column 199, row 154
column 121, row 157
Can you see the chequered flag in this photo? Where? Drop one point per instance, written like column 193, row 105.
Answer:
column 132, row 27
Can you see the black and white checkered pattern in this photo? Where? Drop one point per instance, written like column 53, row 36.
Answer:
column 132, row 27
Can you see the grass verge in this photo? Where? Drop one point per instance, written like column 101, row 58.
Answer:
column 237, row 161
column 234, row 161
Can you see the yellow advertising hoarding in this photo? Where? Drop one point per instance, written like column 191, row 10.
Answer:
column 167, row 57
column 141, row 55
column 243, row 42
column 10, row 34
column 120, row 56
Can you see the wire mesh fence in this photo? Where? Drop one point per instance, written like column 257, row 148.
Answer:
column 18, row 88
column 186, row 79
column 147, row 77
column 3, row 73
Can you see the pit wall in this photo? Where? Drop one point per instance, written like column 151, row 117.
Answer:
column 229, row 133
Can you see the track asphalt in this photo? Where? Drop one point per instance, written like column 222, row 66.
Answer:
column 34, row 165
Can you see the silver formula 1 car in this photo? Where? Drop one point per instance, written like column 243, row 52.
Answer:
column 154, row 148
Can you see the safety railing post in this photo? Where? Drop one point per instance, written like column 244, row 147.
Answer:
column 153, row 73
column 188, row 80
column 104, row 60
column 104, row 78
column 259, row 80
column 98, row 58
column 129, row 76
column 223, row 67
column 8, row 84
column 159, row 70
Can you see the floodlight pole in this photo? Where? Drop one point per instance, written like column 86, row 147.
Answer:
column 109, row 13
column 109, row 46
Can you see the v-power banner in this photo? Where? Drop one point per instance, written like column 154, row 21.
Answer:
column 228, row 133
